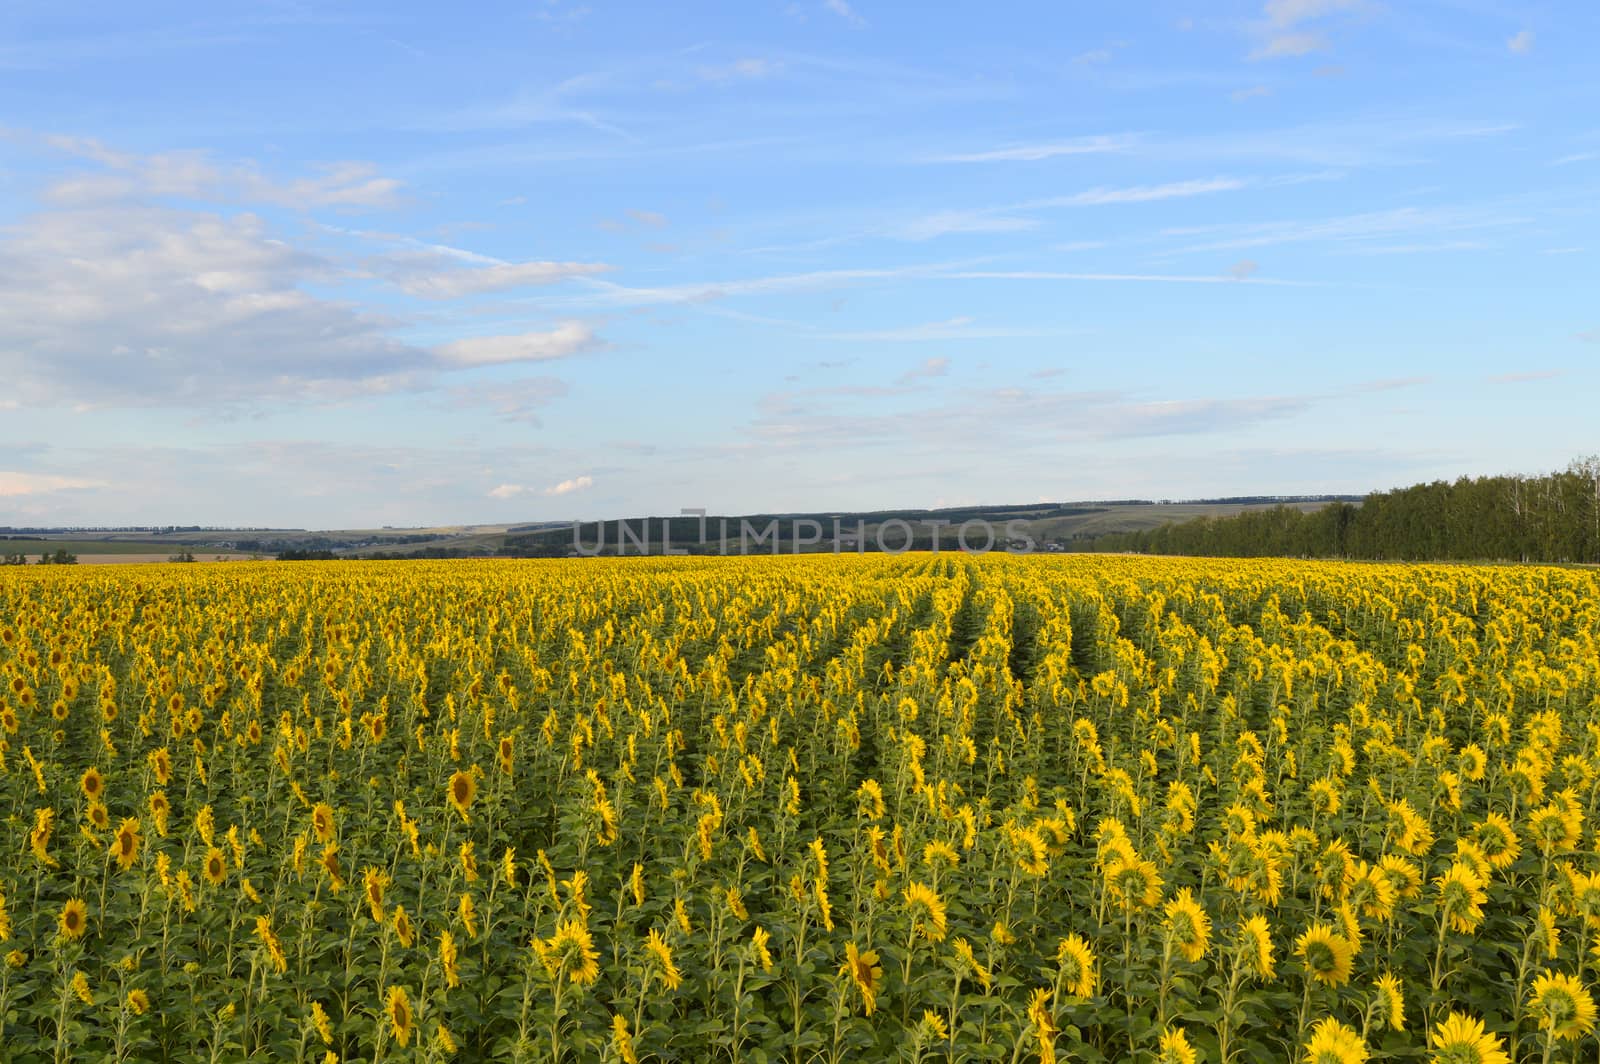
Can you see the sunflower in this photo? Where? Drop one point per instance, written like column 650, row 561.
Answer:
column 1327, row 955
column 138, row 1002
column 1175, row 1048
column 402, row 927
column 1562, row 1006
column 1546, row 934
column 621, row 1040
column 322, row 823
column 469, row 915
column 1187, row 925
column 99, row 816
column 447, row 960
column 862, row 969
column 1077, row 964
column 1461, row 897
column 74, row 919
column 39, row 837
column 330, row 864
column 927, row 911
column 161, row 764
column 80, row 987
column 1497, row 840
column 1371, row 891
column 125, row 846
column 1044, row 1024
column 270, row 941
column 93, row 784
column 160, row 810
column 1391, row 1001
column 661, row 953
column 216, row 867
column 1334, row 1043
column 399, row 1011
column 758, row 944
column 1403, row 873
column 1255, row 947
column 572, row 953
column 463, row 788
column 373, row 880
column 1133, row 883
column 320, row 1021
column 1460, row 1039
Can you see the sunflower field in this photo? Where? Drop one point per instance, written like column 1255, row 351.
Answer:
column 928, row 808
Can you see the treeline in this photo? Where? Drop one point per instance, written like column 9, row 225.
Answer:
column 1552, row 518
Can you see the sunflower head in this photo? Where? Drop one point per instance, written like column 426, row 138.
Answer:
column 461, row 790
column 1076, row 961
column 1327, row 955
column 1187, row 925
column 216, row 867
column 1391, row 1001
column 74, row 919
column 398, row 1009
column 125, row 846
column 1562, row 1005
column 1334, row 1043
column 1460, row 1039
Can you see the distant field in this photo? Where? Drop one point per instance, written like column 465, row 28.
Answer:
column 94, row 550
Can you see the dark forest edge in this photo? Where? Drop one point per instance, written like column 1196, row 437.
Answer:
column 1554, row 518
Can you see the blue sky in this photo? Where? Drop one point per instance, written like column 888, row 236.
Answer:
column 349, row 264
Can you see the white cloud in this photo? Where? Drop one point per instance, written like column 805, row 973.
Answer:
column 1287, row 45
column 516, row 401
column 1285, row 13
column 1254, row 92
column 195, row 175
column 16, row 484
column 1521, row 43
column 944, row 223
column 150, row 305
column 452, row 284
column 1282, row 19
column 567, row 487
column 506, row 491
column 1243, row 270
column 1049, row 150
column 843, row 9
column 1143, row 193
column 740, row 70
column 568, row 338
column 929, row 369
column 951, row 329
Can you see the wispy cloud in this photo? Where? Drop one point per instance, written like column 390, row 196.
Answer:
column 17, row 484
column 1353, row 229
column 843, row 9
column 1520, row 43
column 740, row 70
column 927, row 370
column 453, row 284
column 197, row 175
column 1527, row 376
column 946, row 223
column 1283, row 31
column 1095, row 145
column 962, row 328
column 567, row 339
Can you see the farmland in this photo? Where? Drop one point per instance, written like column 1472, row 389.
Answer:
column 817, row 808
